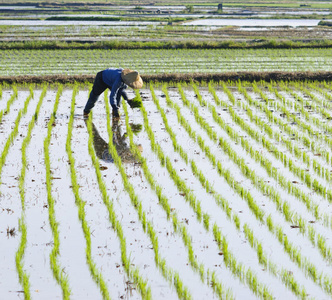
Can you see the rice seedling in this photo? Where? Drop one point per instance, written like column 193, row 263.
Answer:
column 96, row 274
column 133, row 273
column 12, row 98
column 23, row 276
column 255, row 121
column 237, row 268
column 167, row 272
column 58, row 272
column 14, row 131
column 178, row 227
column 289, row 215
column 290, row 249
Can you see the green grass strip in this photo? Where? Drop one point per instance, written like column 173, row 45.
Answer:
column 96, row 275
column 58, row 272
column 22, row 274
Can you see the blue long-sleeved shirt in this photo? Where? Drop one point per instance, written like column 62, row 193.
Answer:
column 112, row 78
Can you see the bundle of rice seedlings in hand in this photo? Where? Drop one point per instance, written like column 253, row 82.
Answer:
column 136, row 102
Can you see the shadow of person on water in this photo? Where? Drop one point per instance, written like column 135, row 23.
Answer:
column 120, row 141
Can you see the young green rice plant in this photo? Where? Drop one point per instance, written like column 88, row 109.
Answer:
column 303, row 126
column 12, row 98
column 286, row 276
column 290, row 249
column 259, row 182
column 132, row 273
column 236, row 268
column 23, row 276
column 97, row 276
column 293, row 134
column 167, row 272
column 178, row 227
column 135, row 103
column 58, row 272
column 14, row 132
column 287, row 161
column 311, row 104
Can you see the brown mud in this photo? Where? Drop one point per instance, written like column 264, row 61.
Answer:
column 179, row 77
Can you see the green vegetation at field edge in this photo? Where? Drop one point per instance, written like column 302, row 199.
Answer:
column 186, row 44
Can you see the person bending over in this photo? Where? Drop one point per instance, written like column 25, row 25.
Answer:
column 117, row 80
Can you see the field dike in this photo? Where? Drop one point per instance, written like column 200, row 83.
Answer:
column 211, row 190
column 179, row 77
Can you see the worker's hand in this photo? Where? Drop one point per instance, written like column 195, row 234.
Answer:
column 133, row 103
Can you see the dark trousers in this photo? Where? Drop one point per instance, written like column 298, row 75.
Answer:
column 98, row 88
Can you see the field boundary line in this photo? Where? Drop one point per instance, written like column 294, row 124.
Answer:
column 181, row 77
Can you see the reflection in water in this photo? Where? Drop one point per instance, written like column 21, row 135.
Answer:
column 119, row 140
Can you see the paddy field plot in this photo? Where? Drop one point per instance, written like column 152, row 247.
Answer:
column 218, row 190
column 158, row 61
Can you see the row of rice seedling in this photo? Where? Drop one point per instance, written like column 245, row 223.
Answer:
column 281, row 179
column 58, row 272
column 169, row 274
column 178, row 227
column 303, row 126
column 272, row 171
column 287, row 162
column 323, row 280
column 293, row 134
column 23, row 276
column 132, row 273
column 322, row 89
column 95, row 273
column 245, row 274
column 223, row 203
column 14, row 132
column 9, row 103
column 318, row 123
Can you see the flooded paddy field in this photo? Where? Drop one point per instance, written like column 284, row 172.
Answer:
column 159, row 61
column 219, row 190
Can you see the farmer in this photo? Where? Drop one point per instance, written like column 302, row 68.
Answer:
column 117, row 80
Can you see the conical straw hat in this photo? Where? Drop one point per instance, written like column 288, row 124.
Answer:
column 132, row 78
